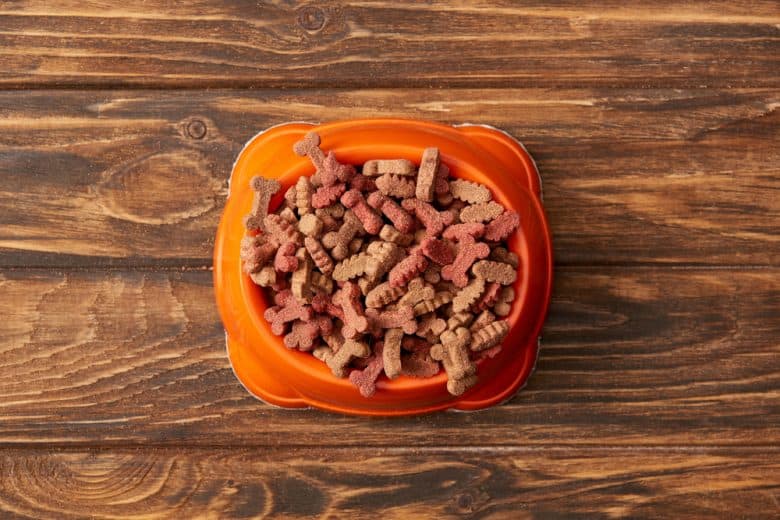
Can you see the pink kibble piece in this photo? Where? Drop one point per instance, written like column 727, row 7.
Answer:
column 285, row 261
column 469, row 252
column 400, row 218
column 327, row 195
column 434, row 221
column 407, row 268
column 437, row 250
column 365, row 380
column 288, row 309
column 354, row 200
column 502, row 226
column 458, row 231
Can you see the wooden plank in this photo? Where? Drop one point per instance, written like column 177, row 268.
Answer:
column 630, row 356
column 395, row 484
column 630, row 176
column 389, row 44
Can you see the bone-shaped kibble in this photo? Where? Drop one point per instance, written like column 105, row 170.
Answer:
column 407, row 268
column 310, row 225
column 490, row 335
column 392, row 352
column 354, row 319
column 485, row 318
column 300, row 282
column 402, row 220
column 439, row 251
column 456, row 232
column 338, row 241
column 288, row 309
column 318, row 254
column 371, row 221
column 285, row 260
column 402, row 317
column 489, row 296
column 265, row 277
column 323, row 303
column 502, row 226
column 390, row 234
column 453, row 353
column 501, row 254
column 351, row 267
column 338, row 361
column 469, row 252
column 483, row 212
column 303, row 334
column 426, row 176
column 303, row 191
column 470, row 192
column 280, row 231
column 383, row 294
column 365, row 380
column 332, row 171
column 468, row 295
column 503, row 305
column 264, row 189
column 434, row 221
column 417, row 291
column 255, row 253
column 310, row 146
column 396, row 186
column 426, row 306
column 491, row 271
column 326, row 196
column 376, row 167
column 419, row 364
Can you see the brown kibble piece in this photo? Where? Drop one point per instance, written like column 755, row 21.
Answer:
column 442, row 186
column 303, row 191
column 377, row 167
column 348, row 298
column 289, row 215
column 430, row 324
column 321, row 283
column 318, row 254
column 468, row 295
column 391, row 354
column 460, row 319
column 390, row 234
column 419, row 364
column 485, row 318
column 417, row 291
column 432, row 275
column 503, row 305
column 310, row 146
column 351, row 267
column 491, row 271
column 501, row 254
column 490, row 335
column 281, row 231
column 383, row 294
column 453, row 353
column 264, row 189
column 338, row 241
column 402, row 317
column 338, row 361
column 300, row 281
column 396, row 186
column 426, row 176
column 470, row 192
column 266, row 277
column 255, row 252
column 310, row 225
column 424, row 307
column 483, row 212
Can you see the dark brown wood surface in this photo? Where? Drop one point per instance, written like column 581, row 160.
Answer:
column 656, row 131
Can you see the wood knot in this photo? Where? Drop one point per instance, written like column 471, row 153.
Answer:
column 311, row 18
column 196, row 129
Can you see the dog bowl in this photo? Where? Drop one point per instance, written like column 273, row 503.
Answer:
column 292, row 379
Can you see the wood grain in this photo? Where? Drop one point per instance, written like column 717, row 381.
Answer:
column 384, row 44
column 396, row 484
column 629, row 357
column 630, row 176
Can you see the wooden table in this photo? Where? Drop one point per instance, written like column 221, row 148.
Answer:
column 657, row 133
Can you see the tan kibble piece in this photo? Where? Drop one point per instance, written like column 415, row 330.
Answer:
column 503, row 305
column 337, row 362
column 483, row 212
column 459, row 319
column 383, row 294
column 485, row 318
column 289, row 215
column 430, row 324
column 391, row 354
column 303, row 191
column 396, row 186
column 432, row 274
column 490, row 335
column 289, row 196
column 384, row 255
column 501, row 254
column 338, row 241
column 416, row 291
column 491, row 271
column 321, row 282
column 334, row 210
column 266, row 277
column 426, row 176
column 378, row 167
column 389, row 233
column 355, row 245
column 310, row 225
column 264, row 189
column 468, row 295
column 470, row 192
column 281, row 231
column 453, row 353
column 321, row 258
column 420, row 235
column 334, row 340
column 300, row 281
column 424, row 307
column 351, row 267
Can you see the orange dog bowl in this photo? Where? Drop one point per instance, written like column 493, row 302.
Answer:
column 293, row 379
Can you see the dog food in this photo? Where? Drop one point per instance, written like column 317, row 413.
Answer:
column 385, row 268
